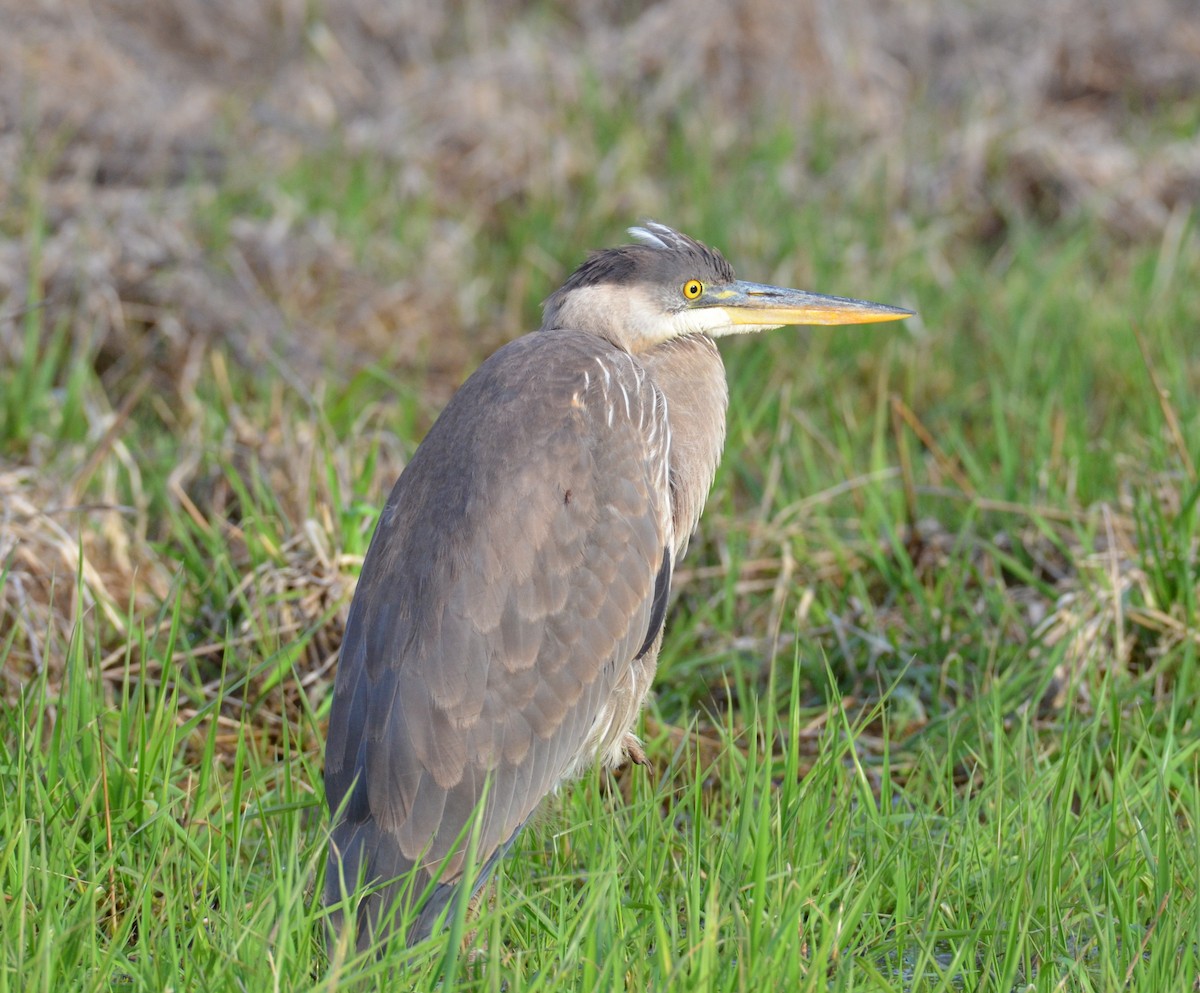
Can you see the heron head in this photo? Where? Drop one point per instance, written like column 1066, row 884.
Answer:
column 669, row 285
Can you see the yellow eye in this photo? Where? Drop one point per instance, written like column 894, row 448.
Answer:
column 692, row 289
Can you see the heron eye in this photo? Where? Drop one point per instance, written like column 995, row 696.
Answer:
column 692, row 289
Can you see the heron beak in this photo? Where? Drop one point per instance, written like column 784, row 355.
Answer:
column 774, row 306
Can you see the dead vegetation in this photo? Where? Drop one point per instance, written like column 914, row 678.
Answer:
column 120, row 120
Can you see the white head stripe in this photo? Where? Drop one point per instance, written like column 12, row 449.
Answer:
column 655, row 235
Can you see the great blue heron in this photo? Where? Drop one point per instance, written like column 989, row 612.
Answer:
column 508, row 618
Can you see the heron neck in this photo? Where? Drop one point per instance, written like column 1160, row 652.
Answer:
column 691, row 375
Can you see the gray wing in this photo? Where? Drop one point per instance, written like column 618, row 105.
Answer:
column 510, row 583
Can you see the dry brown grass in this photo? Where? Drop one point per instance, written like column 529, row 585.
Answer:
column 119, row 119
column 62, row 562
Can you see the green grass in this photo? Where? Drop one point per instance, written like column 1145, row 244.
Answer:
column 879, row 765
column 989, row 852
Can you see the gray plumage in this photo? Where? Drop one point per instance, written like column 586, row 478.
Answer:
column 506, row 625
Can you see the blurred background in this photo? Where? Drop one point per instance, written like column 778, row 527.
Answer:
column 247, row 251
